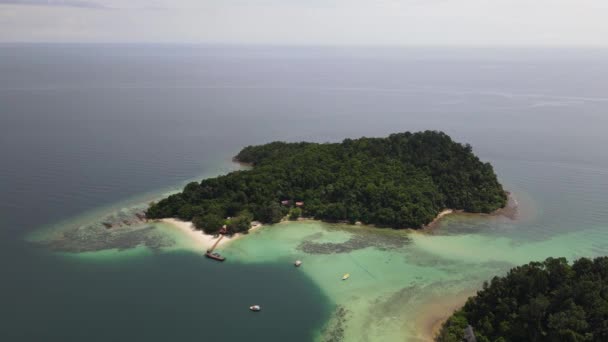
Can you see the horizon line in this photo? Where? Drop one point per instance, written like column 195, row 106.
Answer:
column 310, row 45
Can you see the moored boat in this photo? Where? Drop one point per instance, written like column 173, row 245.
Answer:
column 298, row 263
column 214, row 256
column 255, row 308
column 346, row 276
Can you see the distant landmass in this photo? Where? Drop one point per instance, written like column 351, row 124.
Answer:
column 402, row 181
column 541, row 301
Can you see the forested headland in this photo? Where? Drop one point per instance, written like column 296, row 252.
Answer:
column 541, row 301
column 401, row 181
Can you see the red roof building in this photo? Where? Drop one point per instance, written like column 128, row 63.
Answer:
column 223, row 230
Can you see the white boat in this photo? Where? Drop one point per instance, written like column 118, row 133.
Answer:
column 255, row 308
column 346, row 276
column 298, row 263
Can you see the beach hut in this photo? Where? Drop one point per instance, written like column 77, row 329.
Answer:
column 299, row 204
column 285, row 202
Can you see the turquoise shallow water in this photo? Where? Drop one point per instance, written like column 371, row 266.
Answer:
column 401, row 282
column 89, row 132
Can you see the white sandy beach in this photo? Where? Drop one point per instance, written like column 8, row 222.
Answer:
column 201, row 239
column 443, row 213
column 433, row 223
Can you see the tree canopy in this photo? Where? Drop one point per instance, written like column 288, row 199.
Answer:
column 541, row 301
column 403, row 180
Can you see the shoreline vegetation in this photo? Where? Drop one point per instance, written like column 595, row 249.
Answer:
column 551, row 300
column 403, row 181
column 205, row 241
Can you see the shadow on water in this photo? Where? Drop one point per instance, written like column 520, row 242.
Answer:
column 176, row 296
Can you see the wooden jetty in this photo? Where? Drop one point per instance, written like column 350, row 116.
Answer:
column 215, row 256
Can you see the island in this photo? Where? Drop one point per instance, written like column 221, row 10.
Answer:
column 404, row 180
column 541, row 301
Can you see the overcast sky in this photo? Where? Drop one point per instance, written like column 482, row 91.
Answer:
column 318, row 22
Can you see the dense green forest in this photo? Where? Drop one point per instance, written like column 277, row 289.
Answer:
column 541, row 301
column 403, row 180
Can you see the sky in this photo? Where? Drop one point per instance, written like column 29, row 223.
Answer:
column 310, row 22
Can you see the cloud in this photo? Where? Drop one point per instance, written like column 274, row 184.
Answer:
column 310, row 22
column 55, row 3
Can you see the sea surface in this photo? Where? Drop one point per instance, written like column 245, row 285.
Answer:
column 92, row 133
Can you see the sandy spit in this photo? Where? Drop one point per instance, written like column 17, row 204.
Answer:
column 435, row 313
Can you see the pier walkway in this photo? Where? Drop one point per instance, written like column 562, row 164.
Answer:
column 215, row 244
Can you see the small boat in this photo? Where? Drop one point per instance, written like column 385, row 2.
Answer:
column 255, row 308
column 214, row 256
column 346, row 276
column 298, row 263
